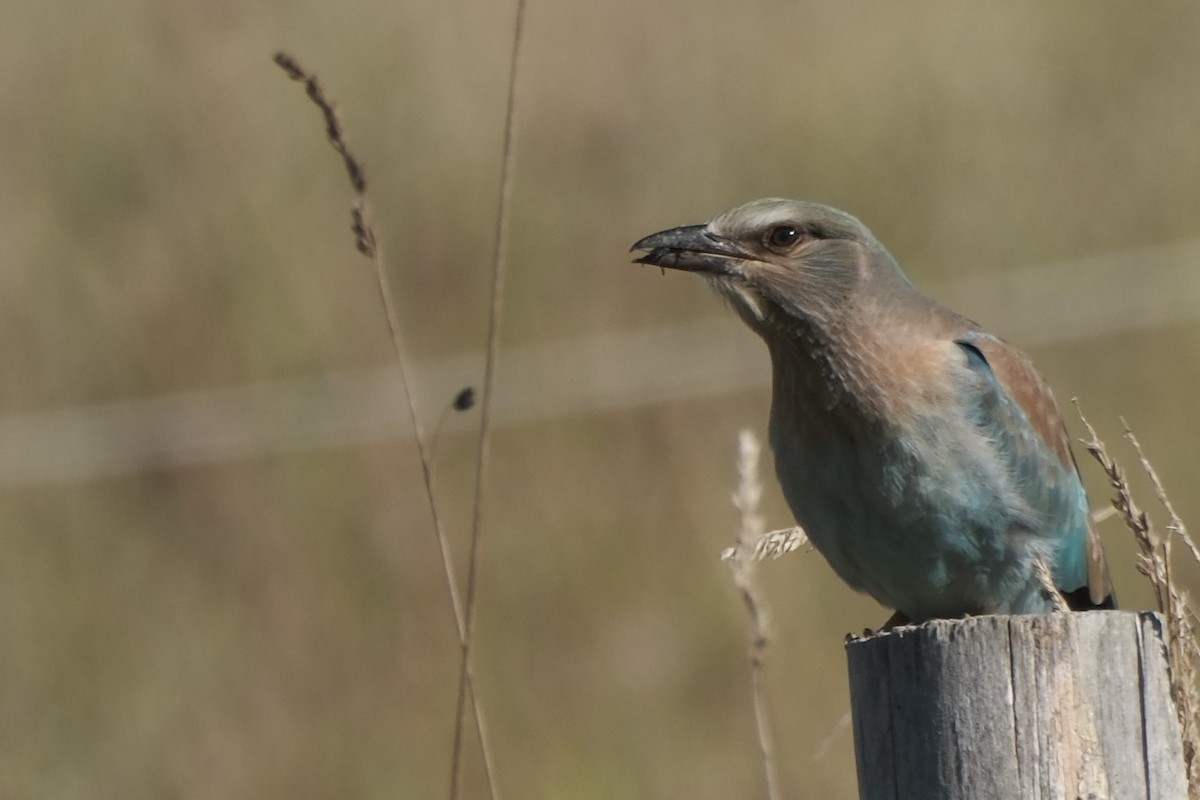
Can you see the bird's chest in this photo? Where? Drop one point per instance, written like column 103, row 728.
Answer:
column 841, row 475
column 907, row 511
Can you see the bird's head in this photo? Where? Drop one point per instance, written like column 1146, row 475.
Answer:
column 779, row 262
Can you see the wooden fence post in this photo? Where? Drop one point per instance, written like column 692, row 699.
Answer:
column 1067, row 705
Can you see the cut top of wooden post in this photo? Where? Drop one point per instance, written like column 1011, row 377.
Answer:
column 1069, row 705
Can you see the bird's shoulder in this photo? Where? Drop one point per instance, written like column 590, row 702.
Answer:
column 949, row 341
column 1015, row 375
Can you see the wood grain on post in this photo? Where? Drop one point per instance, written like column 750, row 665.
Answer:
column 1068, row 705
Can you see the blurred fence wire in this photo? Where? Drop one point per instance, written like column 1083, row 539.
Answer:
column 1062, row 302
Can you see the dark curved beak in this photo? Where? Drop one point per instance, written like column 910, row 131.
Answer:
column 691, row 248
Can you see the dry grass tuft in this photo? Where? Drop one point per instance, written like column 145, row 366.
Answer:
column 1154, row 561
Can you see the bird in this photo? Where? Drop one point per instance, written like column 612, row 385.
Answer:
column 925, row 458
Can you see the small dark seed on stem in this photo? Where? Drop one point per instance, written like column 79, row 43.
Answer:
column 465, row 399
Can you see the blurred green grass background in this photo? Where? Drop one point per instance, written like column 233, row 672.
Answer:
column 276, row 624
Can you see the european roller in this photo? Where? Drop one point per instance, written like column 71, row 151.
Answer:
column 925, row 458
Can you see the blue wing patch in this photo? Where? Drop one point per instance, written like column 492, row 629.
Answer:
column 1051, row 499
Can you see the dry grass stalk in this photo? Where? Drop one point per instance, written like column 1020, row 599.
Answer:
column 744, row 566
column 367, row 243
column 1154, row 561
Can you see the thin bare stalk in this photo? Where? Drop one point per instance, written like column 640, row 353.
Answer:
column 483, row 459
column 743, row 565
column 368, row 244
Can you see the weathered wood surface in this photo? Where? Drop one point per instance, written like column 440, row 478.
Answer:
column 1070, row 705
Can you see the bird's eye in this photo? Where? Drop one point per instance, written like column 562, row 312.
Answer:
column 783, row 236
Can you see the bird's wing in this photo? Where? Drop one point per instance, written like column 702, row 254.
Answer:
column 1023, row 419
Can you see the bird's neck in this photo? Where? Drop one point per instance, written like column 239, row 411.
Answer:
column 812, row 373
column 841, row 364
